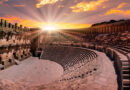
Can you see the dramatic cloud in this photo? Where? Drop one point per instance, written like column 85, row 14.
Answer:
column 118, row 10
column 45, row 2
column 87, row 6
column 11, row 19
column 61, row 13
column 121, row 5
column 19, row 5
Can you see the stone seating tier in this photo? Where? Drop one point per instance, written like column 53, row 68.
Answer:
column 68, row 56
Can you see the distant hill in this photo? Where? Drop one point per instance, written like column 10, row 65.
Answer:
column 109, row 22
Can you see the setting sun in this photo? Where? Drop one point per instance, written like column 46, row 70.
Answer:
column 49, row 28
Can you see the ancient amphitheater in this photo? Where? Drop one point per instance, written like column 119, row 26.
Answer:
column 94, row 58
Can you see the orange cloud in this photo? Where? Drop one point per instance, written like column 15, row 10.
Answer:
column 87, row 6
column 121, row 5
column 12, row 19
column 1, row 2
column 45, row 2
column 20, row 5
column 128, row 12
column 114, row 11
column 118, row 11
column 6, row 0
column 32, row 23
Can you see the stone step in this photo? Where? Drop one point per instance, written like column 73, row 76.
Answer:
column 126, row 76
column 125, row 49
column 126, row 82
column 128, row 47
column 125, row 67
column 122, row 51
column 125, row 63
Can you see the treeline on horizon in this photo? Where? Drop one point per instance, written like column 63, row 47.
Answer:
column 109, row 22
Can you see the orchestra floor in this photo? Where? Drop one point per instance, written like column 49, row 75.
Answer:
column 32, row 72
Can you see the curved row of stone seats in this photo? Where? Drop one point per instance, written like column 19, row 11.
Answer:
column 86, row 59
column 123, row 66
column 82, row 70
column 123, row 49
column 77, row 62
column 121, row 60
column 67, row 56
column 121, row 56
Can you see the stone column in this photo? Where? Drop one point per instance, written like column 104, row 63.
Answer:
column 16, row 27
column 2, row 24
column 13, row 28
column 6, row 25
column 21, row 28
column 10, row 27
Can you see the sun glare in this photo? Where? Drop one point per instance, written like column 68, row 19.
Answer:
column 49, row 28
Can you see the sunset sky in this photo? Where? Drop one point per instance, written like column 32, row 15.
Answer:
column 65, row 14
